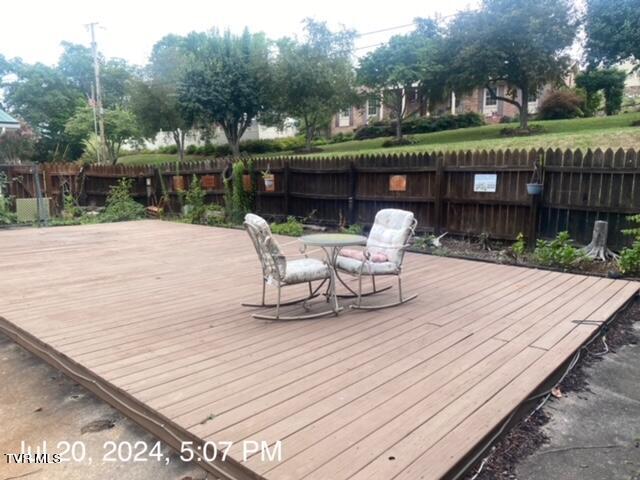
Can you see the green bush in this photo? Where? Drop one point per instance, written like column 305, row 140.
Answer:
column 354, row 229
column 420, row 125
column 194, row 202
column 558, row 252
column 341, row 137
column 291, row 227
column 120, row 205
column 398, row 142
column 170, row 149
column 191, row 150
column 561, row 104
column 630, row 257
column 519, row 247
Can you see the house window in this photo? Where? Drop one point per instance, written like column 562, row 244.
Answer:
column 344, row 118
column 533, row 97
column 489, row 99
column 373, row 106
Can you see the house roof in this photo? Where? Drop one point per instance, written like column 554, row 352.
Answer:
column 8, row 120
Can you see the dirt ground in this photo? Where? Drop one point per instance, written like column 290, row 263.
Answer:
column 38, row 404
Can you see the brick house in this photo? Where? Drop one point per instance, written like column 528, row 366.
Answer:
column 479, row 101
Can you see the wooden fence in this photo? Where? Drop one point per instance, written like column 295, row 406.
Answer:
column 441, row 189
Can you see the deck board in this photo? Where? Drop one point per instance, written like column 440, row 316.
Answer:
column 151, row 312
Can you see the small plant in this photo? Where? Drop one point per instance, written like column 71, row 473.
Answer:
column 194, row 202
column 629, row 260
column 70, row 209
column 354, row 229
column 291, row 227
column 519, row 247
column 237, row 201
column 424, row 243
column 120, row 205
column 558, row 252
column 6, row 215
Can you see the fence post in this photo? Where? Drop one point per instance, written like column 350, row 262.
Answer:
column 285, row 186
column 353, row 188
column 439, row 189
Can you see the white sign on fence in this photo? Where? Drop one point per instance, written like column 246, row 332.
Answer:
column 485, row 182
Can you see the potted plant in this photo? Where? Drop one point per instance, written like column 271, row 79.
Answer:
column 534, row 187
column 269, row 180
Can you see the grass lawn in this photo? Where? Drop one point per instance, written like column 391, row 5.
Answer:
column 583, row 133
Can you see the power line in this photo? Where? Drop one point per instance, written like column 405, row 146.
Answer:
column 385, row 30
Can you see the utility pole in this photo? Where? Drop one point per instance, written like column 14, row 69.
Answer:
column 95, row 117
column 98, row 100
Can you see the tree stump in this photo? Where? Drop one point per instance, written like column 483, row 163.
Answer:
column 597, row 249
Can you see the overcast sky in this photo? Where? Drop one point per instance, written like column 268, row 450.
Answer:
column 33, row 29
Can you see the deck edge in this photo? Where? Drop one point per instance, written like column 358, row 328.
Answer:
column 150, row 420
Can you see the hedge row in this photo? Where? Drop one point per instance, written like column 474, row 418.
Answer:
column 420, row 125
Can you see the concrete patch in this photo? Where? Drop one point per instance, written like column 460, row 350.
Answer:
column 38, row 404
column 594, row 434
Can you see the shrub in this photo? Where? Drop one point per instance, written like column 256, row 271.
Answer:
column 519, row 247
column 560, row 104
column 398, row 142
column 522, row 132
column 171, row 149
column 194, row 202
column 558, row 252
column 420, row 125
column 291, row 227
column 354, row 229
column 630, row 257
column 341, row 137
column 237, row 202
column 120, row 205
column 635, row 123
column 208, row 149
column 191, row 150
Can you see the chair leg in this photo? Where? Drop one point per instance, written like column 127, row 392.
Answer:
column 373, row 281
column 264, row 289
column 278, row 301
column 401, row 300
column 359, row 289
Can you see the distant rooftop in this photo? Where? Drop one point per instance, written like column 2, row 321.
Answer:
column 7, row 120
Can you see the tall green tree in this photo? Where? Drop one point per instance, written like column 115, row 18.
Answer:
column 44, row 98
column 228, row 82
column 613, row 31
column 315, row 77
column 520, row 43
column 610, row 81
column 155, row 100
column 405, row 62
column 120, row 126
column 76, row 64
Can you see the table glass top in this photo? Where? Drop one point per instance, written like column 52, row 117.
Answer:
column 334, row 239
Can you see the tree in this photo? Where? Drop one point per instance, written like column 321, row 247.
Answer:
column 43, row 97
column 315, row 77
column 610, row 81
column 228, row 81
column 120, row 126
column 17, row 145
column 405, row 61
column 518, row 43
column 613, row 32
column 155, row 101
column 76, row 64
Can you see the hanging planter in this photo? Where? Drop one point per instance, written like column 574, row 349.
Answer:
column 534, row 187
column 247, row 184
column 178, row 183
column 269, row 180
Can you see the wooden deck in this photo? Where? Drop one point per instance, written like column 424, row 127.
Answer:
column 148, row 316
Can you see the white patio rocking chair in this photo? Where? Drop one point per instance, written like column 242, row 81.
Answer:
column 279, row 271
column 383, row 255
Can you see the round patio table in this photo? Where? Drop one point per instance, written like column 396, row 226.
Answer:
column 331, row 244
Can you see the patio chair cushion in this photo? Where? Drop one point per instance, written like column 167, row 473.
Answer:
column 359, row 255
column 352, row 265
column 390, row 232
column 266, row 244
column 306, row 270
